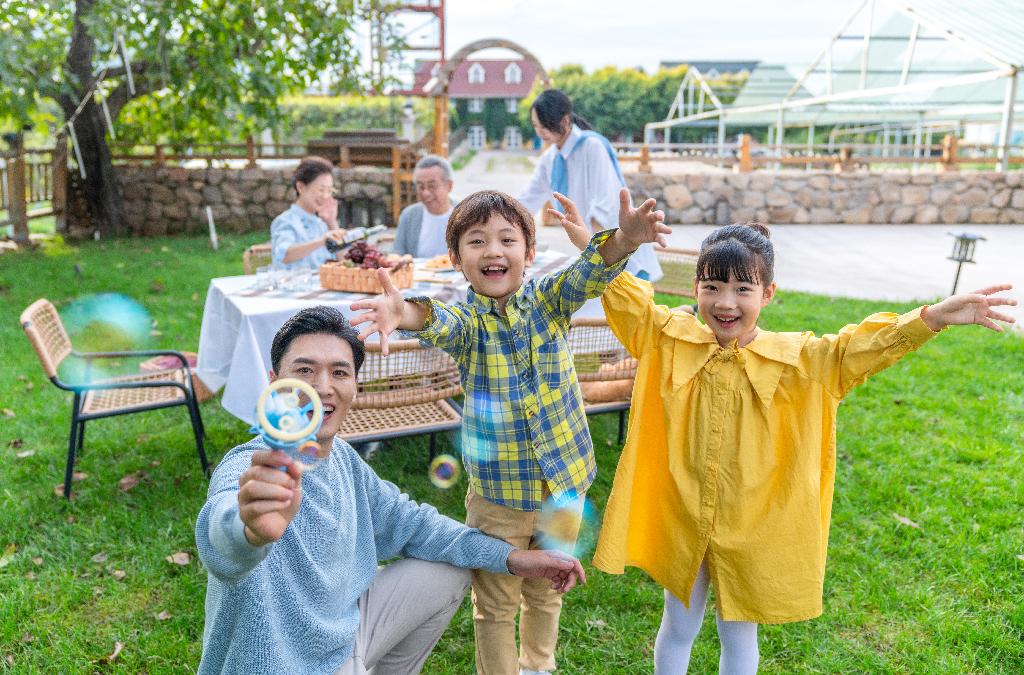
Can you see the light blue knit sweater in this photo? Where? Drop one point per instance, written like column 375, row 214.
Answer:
column 291, row 606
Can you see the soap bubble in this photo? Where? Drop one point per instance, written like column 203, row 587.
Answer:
column 568, row 524
column 444, row 471
column 106, row 322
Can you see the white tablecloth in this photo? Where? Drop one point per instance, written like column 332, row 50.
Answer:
column 239, row 324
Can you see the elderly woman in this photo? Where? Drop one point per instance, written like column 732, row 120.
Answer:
column 421, row 226
column 298, row 235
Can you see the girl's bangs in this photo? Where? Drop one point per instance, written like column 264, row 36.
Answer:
column 729, row 259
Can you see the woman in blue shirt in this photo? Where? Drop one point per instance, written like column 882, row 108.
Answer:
column 298, row 235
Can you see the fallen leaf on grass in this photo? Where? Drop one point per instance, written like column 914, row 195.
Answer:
column 31, row 576
column 8, row 555
column 163, row 616
column 155, row 462
column 903, row 520
column 9, row 659
column 79, row 475
column 25, row 453
column 596, row 623
column 58, row 490
column 38, row 562
column 23, row 378
column 118, row 646
column 8, row 412
column 15, row 443
column 100, row 558
column 71, row 518
column 131, row 480
column 179, row 558
column 28, row 637
column 119, row 574
column 29, row 386
column 1020, row 557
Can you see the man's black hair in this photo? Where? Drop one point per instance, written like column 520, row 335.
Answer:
column 311, row 321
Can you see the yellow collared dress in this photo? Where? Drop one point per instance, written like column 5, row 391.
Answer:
column 731, row 452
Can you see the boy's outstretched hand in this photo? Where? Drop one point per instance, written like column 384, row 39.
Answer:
column 969, row 308
column 384, row 313
column 562, row 569
column 640, row 225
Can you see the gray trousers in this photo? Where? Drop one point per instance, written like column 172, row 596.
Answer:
column 403, row 614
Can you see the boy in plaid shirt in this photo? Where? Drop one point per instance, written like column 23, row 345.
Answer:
column 524, row 432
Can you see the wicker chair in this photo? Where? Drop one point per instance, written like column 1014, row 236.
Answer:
column 406, row 394
column 599, row 357
column 679, row 266
column 256, row 256
column 112, row 396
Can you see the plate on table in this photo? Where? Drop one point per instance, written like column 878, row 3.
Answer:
column 439, row 263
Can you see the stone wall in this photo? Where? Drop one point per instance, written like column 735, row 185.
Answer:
column 895, row 197
column 173, row 200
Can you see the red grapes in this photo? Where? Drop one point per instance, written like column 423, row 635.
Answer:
column 367, row 256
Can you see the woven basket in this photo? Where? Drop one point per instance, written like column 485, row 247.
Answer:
column 338, row 277
column 170, row 363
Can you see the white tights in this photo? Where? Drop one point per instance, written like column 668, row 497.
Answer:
column 679, row 628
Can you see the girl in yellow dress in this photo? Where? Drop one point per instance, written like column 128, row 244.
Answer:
column 727, row 474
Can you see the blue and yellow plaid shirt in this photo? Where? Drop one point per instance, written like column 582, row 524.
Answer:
column 523, row 420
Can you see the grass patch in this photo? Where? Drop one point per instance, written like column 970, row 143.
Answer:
column 937, row 438
column 460, row 162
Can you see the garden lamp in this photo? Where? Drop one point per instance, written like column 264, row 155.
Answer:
column 963, row 251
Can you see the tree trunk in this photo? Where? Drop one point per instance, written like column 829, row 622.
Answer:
column 105, row 208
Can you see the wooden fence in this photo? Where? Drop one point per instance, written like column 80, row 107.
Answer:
column 746, row 155
column 33, row 184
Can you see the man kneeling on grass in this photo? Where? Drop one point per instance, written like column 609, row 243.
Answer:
column 293, row 579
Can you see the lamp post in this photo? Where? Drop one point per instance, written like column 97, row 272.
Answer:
column 408, row 120
column 963, row 251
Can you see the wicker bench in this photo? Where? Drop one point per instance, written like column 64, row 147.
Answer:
column 409, row 393
column 604, row 368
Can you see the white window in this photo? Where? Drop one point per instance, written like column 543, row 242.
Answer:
column 513, row 138
column 512, row 105
column 476, row 105
column 477, row 137
column 513, row 74
column 476, row 74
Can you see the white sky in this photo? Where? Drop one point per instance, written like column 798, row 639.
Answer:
column 644, row 32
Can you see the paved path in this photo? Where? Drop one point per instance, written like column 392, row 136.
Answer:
column 884, row 262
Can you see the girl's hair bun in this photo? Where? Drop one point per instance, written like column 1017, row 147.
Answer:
column 760, row 228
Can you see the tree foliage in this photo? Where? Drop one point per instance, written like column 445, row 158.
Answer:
column 202, row 69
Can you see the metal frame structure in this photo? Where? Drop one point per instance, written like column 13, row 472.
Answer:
column 885, row 103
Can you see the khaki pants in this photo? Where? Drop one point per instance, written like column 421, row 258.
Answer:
column 497, row 597
column 402, row 616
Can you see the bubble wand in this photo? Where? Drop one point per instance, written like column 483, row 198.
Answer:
column 286, row 425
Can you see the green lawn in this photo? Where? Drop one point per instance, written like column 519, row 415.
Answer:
column 936, row 439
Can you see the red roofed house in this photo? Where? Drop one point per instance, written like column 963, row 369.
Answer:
column 486, row 93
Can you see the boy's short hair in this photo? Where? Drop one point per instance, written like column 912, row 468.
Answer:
column 311, row 321
column 479, row 207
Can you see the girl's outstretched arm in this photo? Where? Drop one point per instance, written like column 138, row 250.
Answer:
column 970, row 308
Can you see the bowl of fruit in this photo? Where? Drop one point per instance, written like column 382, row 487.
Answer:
column 356, row 269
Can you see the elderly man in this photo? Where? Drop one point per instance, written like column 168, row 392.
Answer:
column 292, row 559
column 421, row 225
